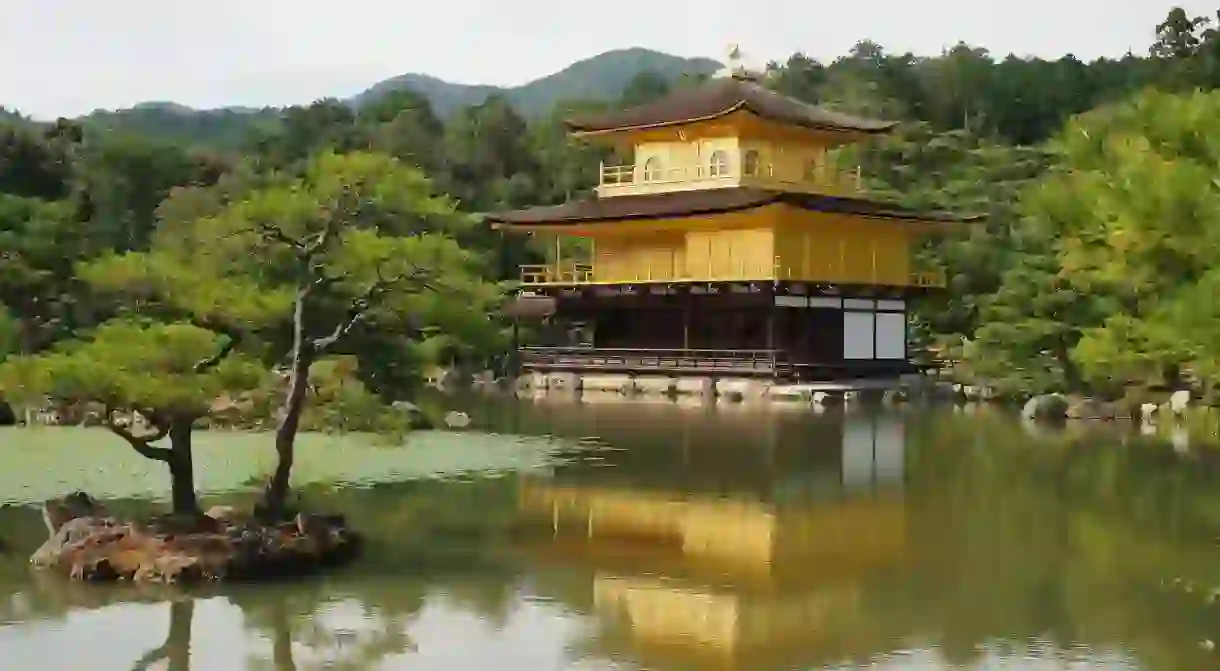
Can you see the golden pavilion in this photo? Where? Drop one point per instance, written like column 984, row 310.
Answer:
column 732, row 242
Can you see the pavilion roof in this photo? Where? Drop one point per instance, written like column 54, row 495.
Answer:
column 712, row 201
column 721, row 96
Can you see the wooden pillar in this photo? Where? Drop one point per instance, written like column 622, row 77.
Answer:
column 771, row 340
column 686, row 310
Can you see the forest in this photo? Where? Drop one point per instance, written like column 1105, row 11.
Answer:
column 337, row 245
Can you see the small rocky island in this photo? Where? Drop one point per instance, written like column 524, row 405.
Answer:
column 86, row 543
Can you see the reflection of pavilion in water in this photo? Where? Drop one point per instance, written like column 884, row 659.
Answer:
column 745, row 572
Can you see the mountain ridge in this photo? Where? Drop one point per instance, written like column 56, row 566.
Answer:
column 666, row 65
column 598, row 77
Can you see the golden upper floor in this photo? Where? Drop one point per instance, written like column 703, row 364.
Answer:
column 660, row 167
column 830, row 255
column 735, row 234
column 725, row 133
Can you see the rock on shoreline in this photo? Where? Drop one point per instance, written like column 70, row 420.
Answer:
column 92, row 546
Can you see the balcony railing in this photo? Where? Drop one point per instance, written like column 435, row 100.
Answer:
column 626, row 175
column 571, row 274
column 560, row 273
column 634, row 177
column 765, row 362
column 772, row 363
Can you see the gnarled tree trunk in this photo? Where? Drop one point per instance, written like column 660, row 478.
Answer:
column 275, row 495
column 181, row 464
column 177, row 457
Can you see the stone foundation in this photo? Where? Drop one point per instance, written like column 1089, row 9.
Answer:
column 697, row 390
column 621, row 384
column 695, row 386
column 655, row 385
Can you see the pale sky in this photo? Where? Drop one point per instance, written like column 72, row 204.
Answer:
column 68, row 57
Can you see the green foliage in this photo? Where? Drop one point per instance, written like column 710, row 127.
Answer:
column 225, row 129
column 160, row 284
column 960, row 171
column 30, row 166
column 377, row 216
column 131, row 366
column 1120, row 284
column 341, row 402
column 40, row 241
column 1029, row 328
column 122, row 180
column 388, row 250
column 10, row 333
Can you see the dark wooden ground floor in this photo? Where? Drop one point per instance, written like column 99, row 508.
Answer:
column 747, row 330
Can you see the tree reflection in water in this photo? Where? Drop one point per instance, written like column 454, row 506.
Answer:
column 1016, row 549
column 373, row 636
column 365, row 623
column 176, row 650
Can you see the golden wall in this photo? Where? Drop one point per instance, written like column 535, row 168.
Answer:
column 647, row 256
column 730, row 254
column 735, row 245
column 771, row 242
column 835, row 248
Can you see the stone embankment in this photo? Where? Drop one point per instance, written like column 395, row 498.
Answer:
column 1059, row 406
column 725, row 389
column 86, row 543
column 891, row 391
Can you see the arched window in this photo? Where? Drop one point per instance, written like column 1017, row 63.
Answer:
column 652, row 169
column 718, row 164
column 750, row 163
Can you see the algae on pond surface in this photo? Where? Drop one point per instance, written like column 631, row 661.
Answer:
column 43, row 463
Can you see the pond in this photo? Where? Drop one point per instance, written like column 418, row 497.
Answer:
column 623, row 535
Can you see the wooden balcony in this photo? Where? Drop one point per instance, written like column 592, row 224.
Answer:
column 557, row 274
column 581, row 274
column 693, row 361
column 769, row 363
column 633, row 179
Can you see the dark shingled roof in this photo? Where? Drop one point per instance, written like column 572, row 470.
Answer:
column 718, row 97
column 710, row 201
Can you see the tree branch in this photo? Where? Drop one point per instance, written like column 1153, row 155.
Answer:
column 213, row 361
column 354, row 317
column 141, row 444
column 272, row 233
column 362, row 304
column 322, row 279
column 234, row 339
column 334, row 224
column 322, row 240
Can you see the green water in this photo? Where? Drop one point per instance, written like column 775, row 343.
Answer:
column 627, row 536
